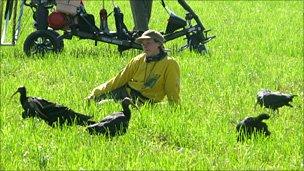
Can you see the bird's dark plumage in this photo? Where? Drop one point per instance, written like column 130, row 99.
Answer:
column 251, row 125
column 273, row 100
column 114, row 124
column 50, row 112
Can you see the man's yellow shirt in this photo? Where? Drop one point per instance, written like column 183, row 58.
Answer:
column 154, row 80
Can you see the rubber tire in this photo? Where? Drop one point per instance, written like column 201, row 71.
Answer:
column 50, row 43
column 61, row 43
column 201, row 48
column 196, row 45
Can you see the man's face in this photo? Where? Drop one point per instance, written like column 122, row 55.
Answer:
column 150, row 47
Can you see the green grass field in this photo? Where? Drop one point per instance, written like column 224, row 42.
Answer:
column 258, row 45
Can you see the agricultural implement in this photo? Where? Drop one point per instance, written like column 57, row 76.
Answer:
column 71, row 18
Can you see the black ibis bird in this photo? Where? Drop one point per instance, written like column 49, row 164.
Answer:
column 114, row 124
column 251, row 125
column 274, row 100
column 51, row 113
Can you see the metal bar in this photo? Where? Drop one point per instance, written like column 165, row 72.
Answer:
column 7, row 15
column 111, row 40
column 18, row 29
column 3, row 36
column 189, row 9
column 1, row 15
column 183, row 32
column 14, row 22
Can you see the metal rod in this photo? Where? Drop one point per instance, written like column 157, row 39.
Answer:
column 1, row 11
column 181, row 33
column 107, row 39
column 189, row 9
column 3, row 36
column 18, row 29
column 14, row 22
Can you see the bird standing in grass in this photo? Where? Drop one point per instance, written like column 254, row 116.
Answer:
column 116, row 123
column 251, row 125
column 50, row 112
column 273, row 100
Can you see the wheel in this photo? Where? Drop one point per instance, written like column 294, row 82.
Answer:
column 201, row 48
column 42, row 42
column 195, row 43
column 61, row 44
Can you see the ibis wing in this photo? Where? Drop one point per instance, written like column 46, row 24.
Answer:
column 110, row 125
column 275, row 100
column 56, row 111
column 53, row 108
column 118, row 123
column 118, row 120
column 45, row 103
column 36, row 107
column 111, row 117
column 48, row 107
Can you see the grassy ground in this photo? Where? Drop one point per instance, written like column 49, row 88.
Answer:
column 258, row 45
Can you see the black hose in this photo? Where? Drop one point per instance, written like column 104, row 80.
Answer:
column 8, row 9
column 188, row 8
column 163, row 3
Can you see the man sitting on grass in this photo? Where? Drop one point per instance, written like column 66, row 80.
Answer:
column 148, row 77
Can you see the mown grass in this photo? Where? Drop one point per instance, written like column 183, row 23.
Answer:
column 258, row 45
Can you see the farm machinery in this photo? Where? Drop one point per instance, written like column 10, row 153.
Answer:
column 72, row 20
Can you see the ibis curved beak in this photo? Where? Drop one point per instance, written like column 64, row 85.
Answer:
column 14, row 94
